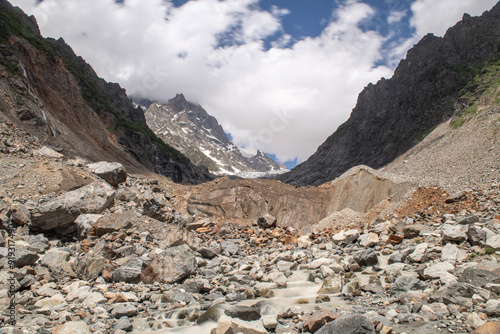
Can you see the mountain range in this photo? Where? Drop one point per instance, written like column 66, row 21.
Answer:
column 53, row 93
column 199, row 136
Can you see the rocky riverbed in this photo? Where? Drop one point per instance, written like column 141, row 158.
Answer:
column 110, row 254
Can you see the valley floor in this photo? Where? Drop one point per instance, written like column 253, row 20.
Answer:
column 91, row 257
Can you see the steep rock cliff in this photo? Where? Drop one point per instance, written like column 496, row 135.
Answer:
column 395, row 114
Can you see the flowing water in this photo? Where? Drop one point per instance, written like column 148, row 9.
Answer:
column 298, row 288
column 45, row 119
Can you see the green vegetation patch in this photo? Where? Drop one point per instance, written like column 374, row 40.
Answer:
column 485, row 82
column 11, row 24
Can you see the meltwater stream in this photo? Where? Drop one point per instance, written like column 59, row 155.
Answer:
column 298, row 288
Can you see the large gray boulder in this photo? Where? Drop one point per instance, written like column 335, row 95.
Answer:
column 348, row 324
column 60, row 213
column 112, row 172
column 170, row 266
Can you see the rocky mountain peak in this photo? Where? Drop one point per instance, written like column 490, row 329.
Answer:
column 190, row 129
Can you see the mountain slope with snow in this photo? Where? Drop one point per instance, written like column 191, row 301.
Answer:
column 190, row 129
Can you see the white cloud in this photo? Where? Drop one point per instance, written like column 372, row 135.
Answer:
column 285, row 101
column 431, row 16
column 396, row 16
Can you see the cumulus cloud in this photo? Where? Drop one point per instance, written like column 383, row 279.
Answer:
column 430, row 16
column 270, row 91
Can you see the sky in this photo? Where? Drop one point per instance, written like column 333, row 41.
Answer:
column 279, row 75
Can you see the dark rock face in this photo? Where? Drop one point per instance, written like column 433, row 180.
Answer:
column 395, row 114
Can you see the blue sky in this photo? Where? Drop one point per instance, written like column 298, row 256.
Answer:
column 279, row 75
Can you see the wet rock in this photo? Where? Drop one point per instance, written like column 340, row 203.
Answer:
column 247, row 313
column 123, row 324
column 348, row 324
column 112, row 172
column 332, row 284
column 170, row 266
column 318, row 319
column 212, row 314
column 266, row 221
column 366, row 258
column 406, row 283
column 59, row 214
column 276, row 277
column 290, row 312
column 270, row 322
column 228, row 325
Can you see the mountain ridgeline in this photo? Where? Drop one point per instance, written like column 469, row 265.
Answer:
column 191, row 130
column 54, row 94
column 393, row 115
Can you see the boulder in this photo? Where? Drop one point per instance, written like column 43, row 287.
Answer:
column 488, row 328
column 112, row 172
column 418, row 254
column 24, row 257
column 479, row 277
column 266, row 221
column 345, row 237
column 493, row 241
column 318, row 319
column 453, row 233
column 60, row 213
column 73, row 327
column 247, row 313
column 84, row 224
column 348, row 324
column 90, row 267
column 57, row 261
column 332, row 284
column 476, row 235
column 170, row 266
column 112, row 223
column 368, row 240
column 413, row 231
column 366, row 258
column 129, row 272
